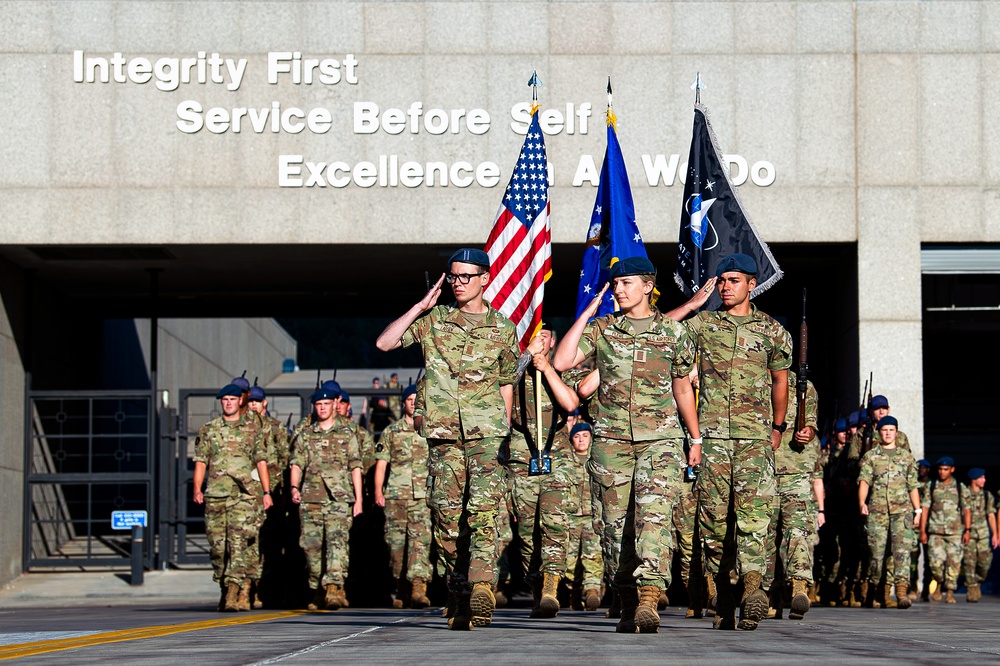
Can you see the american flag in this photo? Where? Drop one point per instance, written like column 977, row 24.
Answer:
column 520, row 244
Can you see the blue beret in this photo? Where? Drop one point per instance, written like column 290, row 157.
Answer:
column 880, row 401
column 409, row 390
column 632, row 266
column 946, row 461
column 887, row 421
column 923, row 462
column 323, row 394
column 741, row 263
column 469, row 255
column 229, row 389
column 840, row 425
column 344, row 397
column 242, row 382
column 331, row 385
column 257, row 393
column 853, row 419
column 976, row 472
column 575, row 412
column 582, row 426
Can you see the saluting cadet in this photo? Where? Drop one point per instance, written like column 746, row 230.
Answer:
column 470, row 351
column 637, row 459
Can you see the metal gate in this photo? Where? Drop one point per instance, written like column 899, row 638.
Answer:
column 87, row 453
column 181, row 531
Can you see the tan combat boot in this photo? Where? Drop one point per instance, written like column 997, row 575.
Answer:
column 647, row 619
column 630, row 600
column 592, row 599
column 887, row 601
column 319, row 600
column 500, row 596
column 342, row 597
column 396, row 602
column 813, row 594
column 974, row 594
column 482, row 603
column 663, row 601
column 462, row 619
column 935, row 589
column 713, row 596
column 257, row 603
column 754, row 602
column 418, row 594
column 548, row 605
column 332, row 597
column 903, row 599
column 243, row 598
column 949, row 596
column 800, row 600
column 232, row 597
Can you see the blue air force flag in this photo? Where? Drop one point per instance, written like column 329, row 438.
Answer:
column 713, row 221
column 613, row 233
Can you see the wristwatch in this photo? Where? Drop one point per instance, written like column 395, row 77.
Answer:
column 779, row 427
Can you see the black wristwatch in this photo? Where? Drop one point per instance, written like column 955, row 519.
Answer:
column 780, row 428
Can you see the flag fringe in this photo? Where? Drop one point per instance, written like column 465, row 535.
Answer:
column 778, row 273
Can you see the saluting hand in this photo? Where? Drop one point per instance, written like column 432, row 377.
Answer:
column 431, row 298
column 701, row 296
column 596, row 303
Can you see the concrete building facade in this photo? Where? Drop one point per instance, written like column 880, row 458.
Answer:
column 870, row 125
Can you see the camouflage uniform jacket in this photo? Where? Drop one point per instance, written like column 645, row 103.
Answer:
column 326, row 458
column 891, row 475
column 406, row 452
column 466, row 366
column 981, row 503
column 635, row 400
column 792, row 457
column 230, row 451
column 735, row 364
column 278, row 449
column 579, row 477
column 945, row 503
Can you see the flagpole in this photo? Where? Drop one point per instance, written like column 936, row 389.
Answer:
column 538, row 407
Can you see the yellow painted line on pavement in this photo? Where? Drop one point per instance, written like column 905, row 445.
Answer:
column 140, row 633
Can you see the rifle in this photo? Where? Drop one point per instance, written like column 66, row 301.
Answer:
column 869, row 429
column 288, row 423
column 318, row 381
column 802, row 383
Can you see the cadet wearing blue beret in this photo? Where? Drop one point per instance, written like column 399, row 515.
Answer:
column 840, row 425
column 470, row 255
column 256, row 394
column 976, row 472
column 887, row 421
column 632, row 266
column 229, row 389
column 324, row 394
column 331, row 385
column 409, row 390
column 242, row 382
column 740, row 263
column 945, row 461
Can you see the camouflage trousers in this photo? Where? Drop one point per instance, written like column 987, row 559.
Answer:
column 408, row 536
column 640, row 483
column 467, row 490
column 977, row 559
column 541, row 504
column 889, row 539
column 326, row 528
column 737, row 473
column 944, row 555
column 232, row 526
column 685, row 521
column 792, row 532
column 583, row 553
column 910, row 536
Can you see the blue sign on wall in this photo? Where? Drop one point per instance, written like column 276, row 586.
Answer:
column 124, row 520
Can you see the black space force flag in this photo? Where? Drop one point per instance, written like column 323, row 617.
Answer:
column 713, row 221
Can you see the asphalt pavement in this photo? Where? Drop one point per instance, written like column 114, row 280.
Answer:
column 99, row 618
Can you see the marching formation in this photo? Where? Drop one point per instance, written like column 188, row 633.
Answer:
column 590, row 463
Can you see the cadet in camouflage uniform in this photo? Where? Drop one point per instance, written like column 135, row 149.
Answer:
column 542, row 502
column 880, row 409
column 272, row 528
column 892, row 507
column 744, row 356
column 637, row 458
column 325, row 482
column 980, row 510
column 403, row 452
column 470, row 352
column 944, row 530
column 583, row 551
column 799, row 503
column 229, row 451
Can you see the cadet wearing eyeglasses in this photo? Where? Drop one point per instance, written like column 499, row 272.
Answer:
column 470, row 352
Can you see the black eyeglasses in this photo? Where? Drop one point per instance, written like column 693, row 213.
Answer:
column 464, row 278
